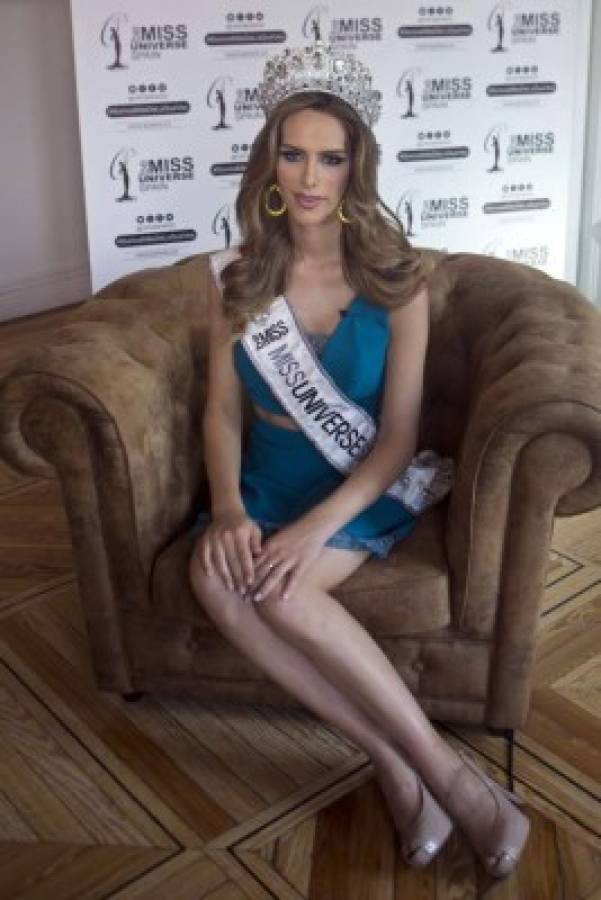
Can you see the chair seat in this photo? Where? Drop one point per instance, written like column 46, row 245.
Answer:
column 407, row 593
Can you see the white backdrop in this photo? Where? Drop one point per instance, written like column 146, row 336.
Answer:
column 481, row 135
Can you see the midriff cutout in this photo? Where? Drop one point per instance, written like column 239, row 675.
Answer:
column 275, row 419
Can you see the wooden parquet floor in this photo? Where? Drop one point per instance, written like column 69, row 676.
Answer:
column 174, row 799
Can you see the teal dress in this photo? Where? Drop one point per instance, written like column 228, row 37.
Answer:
column 283, row 475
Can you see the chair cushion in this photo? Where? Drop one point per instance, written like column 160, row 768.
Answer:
column 406, row 593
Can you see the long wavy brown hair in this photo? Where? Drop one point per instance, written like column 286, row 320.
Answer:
column 377, row 259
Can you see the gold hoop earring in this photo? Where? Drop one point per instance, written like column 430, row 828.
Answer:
column 270, row 210
column 341, row 215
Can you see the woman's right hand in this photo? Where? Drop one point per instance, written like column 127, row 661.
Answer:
column 227, row 546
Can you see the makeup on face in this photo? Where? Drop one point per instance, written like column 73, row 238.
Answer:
column 312, row 166
column 307, row 202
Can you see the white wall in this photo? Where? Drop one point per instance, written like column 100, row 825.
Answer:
column 43, row 244
column 589, row 270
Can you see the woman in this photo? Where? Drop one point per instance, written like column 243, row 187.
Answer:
column 287, row 526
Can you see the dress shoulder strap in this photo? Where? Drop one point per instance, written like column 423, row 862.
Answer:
column 219, row 260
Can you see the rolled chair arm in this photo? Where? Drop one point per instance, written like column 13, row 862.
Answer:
column 531, row 450
column 113, row 401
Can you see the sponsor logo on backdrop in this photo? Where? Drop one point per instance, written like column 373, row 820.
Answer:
column 242, row 27
column 246, row 104
column 520, row 147
column 218, row 94
column 537, row 255
column 417, row 213
column 152, row 232
column 241, row 102
column 517, row 197
column 525, row 145
column 521, row 81
column 151, row 219
column 319, row 25
column 146, row 99
column 146, row 89
column 152, row 229
column 248, row 19
column 119, row 172
column 434, row 145
column 316, row 24
column 111, row 37
column 525, row 25
column 405, row 88
column 492, row 146
column 128, row 43
column 150, row 174
column 496, row 25
column 236, row 165
column 352, row 30
column 221, row 225
column 158, row 174
column 405, row 211
column 435, row 92
column 435, row 22
column 439, row 92
column 435, row 134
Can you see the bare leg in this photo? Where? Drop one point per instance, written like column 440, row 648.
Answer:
column 289, row 667
column 349, row 659
column 423, row 824
column 315, row 623
column 351, row 665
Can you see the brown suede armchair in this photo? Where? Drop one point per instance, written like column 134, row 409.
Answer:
column 113, row 400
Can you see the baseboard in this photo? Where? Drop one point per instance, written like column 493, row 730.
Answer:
column 44, row 293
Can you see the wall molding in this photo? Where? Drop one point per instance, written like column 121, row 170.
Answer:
column 44, row 292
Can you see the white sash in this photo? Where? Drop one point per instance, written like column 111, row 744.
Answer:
column 340, row 429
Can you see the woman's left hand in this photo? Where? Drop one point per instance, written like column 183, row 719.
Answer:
column 284, row 559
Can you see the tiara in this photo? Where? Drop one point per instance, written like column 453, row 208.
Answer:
column 319, row 68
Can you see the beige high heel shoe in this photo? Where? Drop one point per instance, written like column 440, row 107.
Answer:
column 423, row 837
column 500, row 849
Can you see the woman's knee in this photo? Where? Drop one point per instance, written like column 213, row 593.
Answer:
column 331, row 568
column 223, row 606
column 300, row 607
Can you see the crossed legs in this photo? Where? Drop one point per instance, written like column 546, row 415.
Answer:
column 243, row 625
column 318, row 652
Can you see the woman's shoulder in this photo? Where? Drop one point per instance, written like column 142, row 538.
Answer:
column 411, row 316
column 419, row 296
column 393, row 318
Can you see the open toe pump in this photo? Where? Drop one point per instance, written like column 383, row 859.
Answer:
column 501, row 846
column 424, row 836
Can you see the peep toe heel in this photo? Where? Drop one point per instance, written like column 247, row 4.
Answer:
column 501, row 848
column 423, row 838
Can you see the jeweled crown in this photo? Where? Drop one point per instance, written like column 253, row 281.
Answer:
column 319, row 67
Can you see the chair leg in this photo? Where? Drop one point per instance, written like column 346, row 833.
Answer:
column 509, row 735
column 133, row 697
